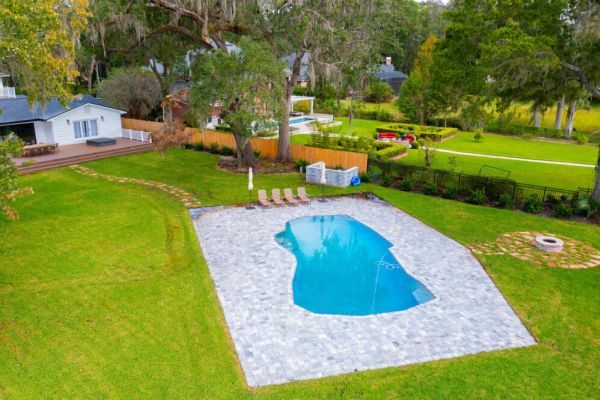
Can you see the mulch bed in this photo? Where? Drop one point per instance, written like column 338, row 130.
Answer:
column 265, row 166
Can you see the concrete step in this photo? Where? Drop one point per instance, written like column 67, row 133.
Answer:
column 63, row 162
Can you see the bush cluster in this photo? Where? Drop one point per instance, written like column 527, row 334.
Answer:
column 375, row 149
column 507, row 128
column 420, row 131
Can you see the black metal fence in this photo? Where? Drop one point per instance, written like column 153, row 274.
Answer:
column 464, row 184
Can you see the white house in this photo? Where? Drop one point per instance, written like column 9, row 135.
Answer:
column 84, row 118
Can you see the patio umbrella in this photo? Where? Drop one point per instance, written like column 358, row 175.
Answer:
column 250, row 177
column 323, row 180
column 250, row 187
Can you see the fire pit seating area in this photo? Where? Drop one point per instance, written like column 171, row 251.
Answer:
column 419, row 131
column 333, row 177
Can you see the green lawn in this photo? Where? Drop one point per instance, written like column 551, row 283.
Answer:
column 360, row 127
column 104, row 293
column 512, row 146
column 557, row 176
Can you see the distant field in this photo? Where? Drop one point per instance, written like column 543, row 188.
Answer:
column 558, row 176
column 587, row 121
column 511, row 146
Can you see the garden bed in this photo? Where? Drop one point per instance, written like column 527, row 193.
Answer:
column 420, row 131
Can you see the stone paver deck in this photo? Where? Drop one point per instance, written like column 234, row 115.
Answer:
column 521, row 245
column 277, row 341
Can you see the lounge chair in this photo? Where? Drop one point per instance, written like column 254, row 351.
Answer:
column 276, row 197
column 289, row 196
column 302, row 196
column 263, row 200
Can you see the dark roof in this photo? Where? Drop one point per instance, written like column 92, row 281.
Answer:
column 386, row 72
column 17, row 110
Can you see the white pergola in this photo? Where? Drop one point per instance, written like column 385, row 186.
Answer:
column 295, row 99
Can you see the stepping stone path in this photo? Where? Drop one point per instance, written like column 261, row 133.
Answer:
column 521, row 245
column 186, row 198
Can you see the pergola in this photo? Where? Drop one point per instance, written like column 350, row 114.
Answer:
column 295, row 99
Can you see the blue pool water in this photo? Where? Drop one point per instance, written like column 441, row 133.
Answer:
column 300, row 120
column 345, row 267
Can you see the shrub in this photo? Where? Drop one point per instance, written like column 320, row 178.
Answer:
column 477, row 196
column 300, row 163
column 430, row 188
column 257, row 154
column 199, row 147
column 266, row 133
column 391, row 151
column 379, row 92
column 422, row 131
column 533, row 204
column 227, row 151
column 365, row 177
column 478, row 136
column 406, row 185
column 386, row 180
column 450, row 193
column 563, row 210
column 214, row 148
column 223, row 128
column 580, row 138
column 414, row 144
column 587, row 207
column 505, row 201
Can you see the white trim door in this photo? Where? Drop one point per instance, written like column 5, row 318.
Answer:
column 85, row 128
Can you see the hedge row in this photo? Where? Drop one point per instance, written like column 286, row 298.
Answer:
column 420, row 131
column 376, row 150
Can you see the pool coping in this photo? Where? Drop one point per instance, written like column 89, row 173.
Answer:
column 261, row 377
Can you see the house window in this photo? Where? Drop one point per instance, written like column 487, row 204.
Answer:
column 85, row 128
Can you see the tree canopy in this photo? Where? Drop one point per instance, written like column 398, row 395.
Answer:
column 244, row 87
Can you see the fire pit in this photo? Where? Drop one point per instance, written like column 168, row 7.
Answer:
column 549, row 244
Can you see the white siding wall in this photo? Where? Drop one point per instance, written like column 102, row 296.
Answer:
column 64, row 133
column 43, row 132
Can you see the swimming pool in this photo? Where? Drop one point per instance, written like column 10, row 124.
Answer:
column 346, row 268
column 301, row 120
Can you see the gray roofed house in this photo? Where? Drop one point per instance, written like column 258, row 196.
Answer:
column 388, row 74
column 83, row 118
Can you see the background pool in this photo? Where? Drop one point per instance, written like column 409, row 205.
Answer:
column 345, row 267
column 300, row 120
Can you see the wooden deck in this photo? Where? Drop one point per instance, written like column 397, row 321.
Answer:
column 78, row 153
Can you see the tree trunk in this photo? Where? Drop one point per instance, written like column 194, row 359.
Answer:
column 570, row 118
column 283, row 150
column 245, row 154
column 350, row 113
column 537, row 118
column 596, row 192
column 427, row 157
column 559, row 113
column 284, row 123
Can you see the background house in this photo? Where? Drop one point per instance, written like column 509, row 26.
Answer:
column 388, row 74
column 84, row 117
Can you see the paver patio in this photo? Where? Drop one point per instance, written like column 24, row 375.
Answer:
column 277, row 341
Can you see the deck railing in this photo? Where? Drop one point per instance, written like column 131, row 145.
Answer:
column 132, row 134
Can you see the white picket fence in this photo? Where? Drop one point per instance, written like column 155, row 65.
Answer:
column 137, row 135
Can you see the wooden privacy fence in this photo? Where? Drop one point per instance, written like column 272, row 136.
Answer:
column 266, row 147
